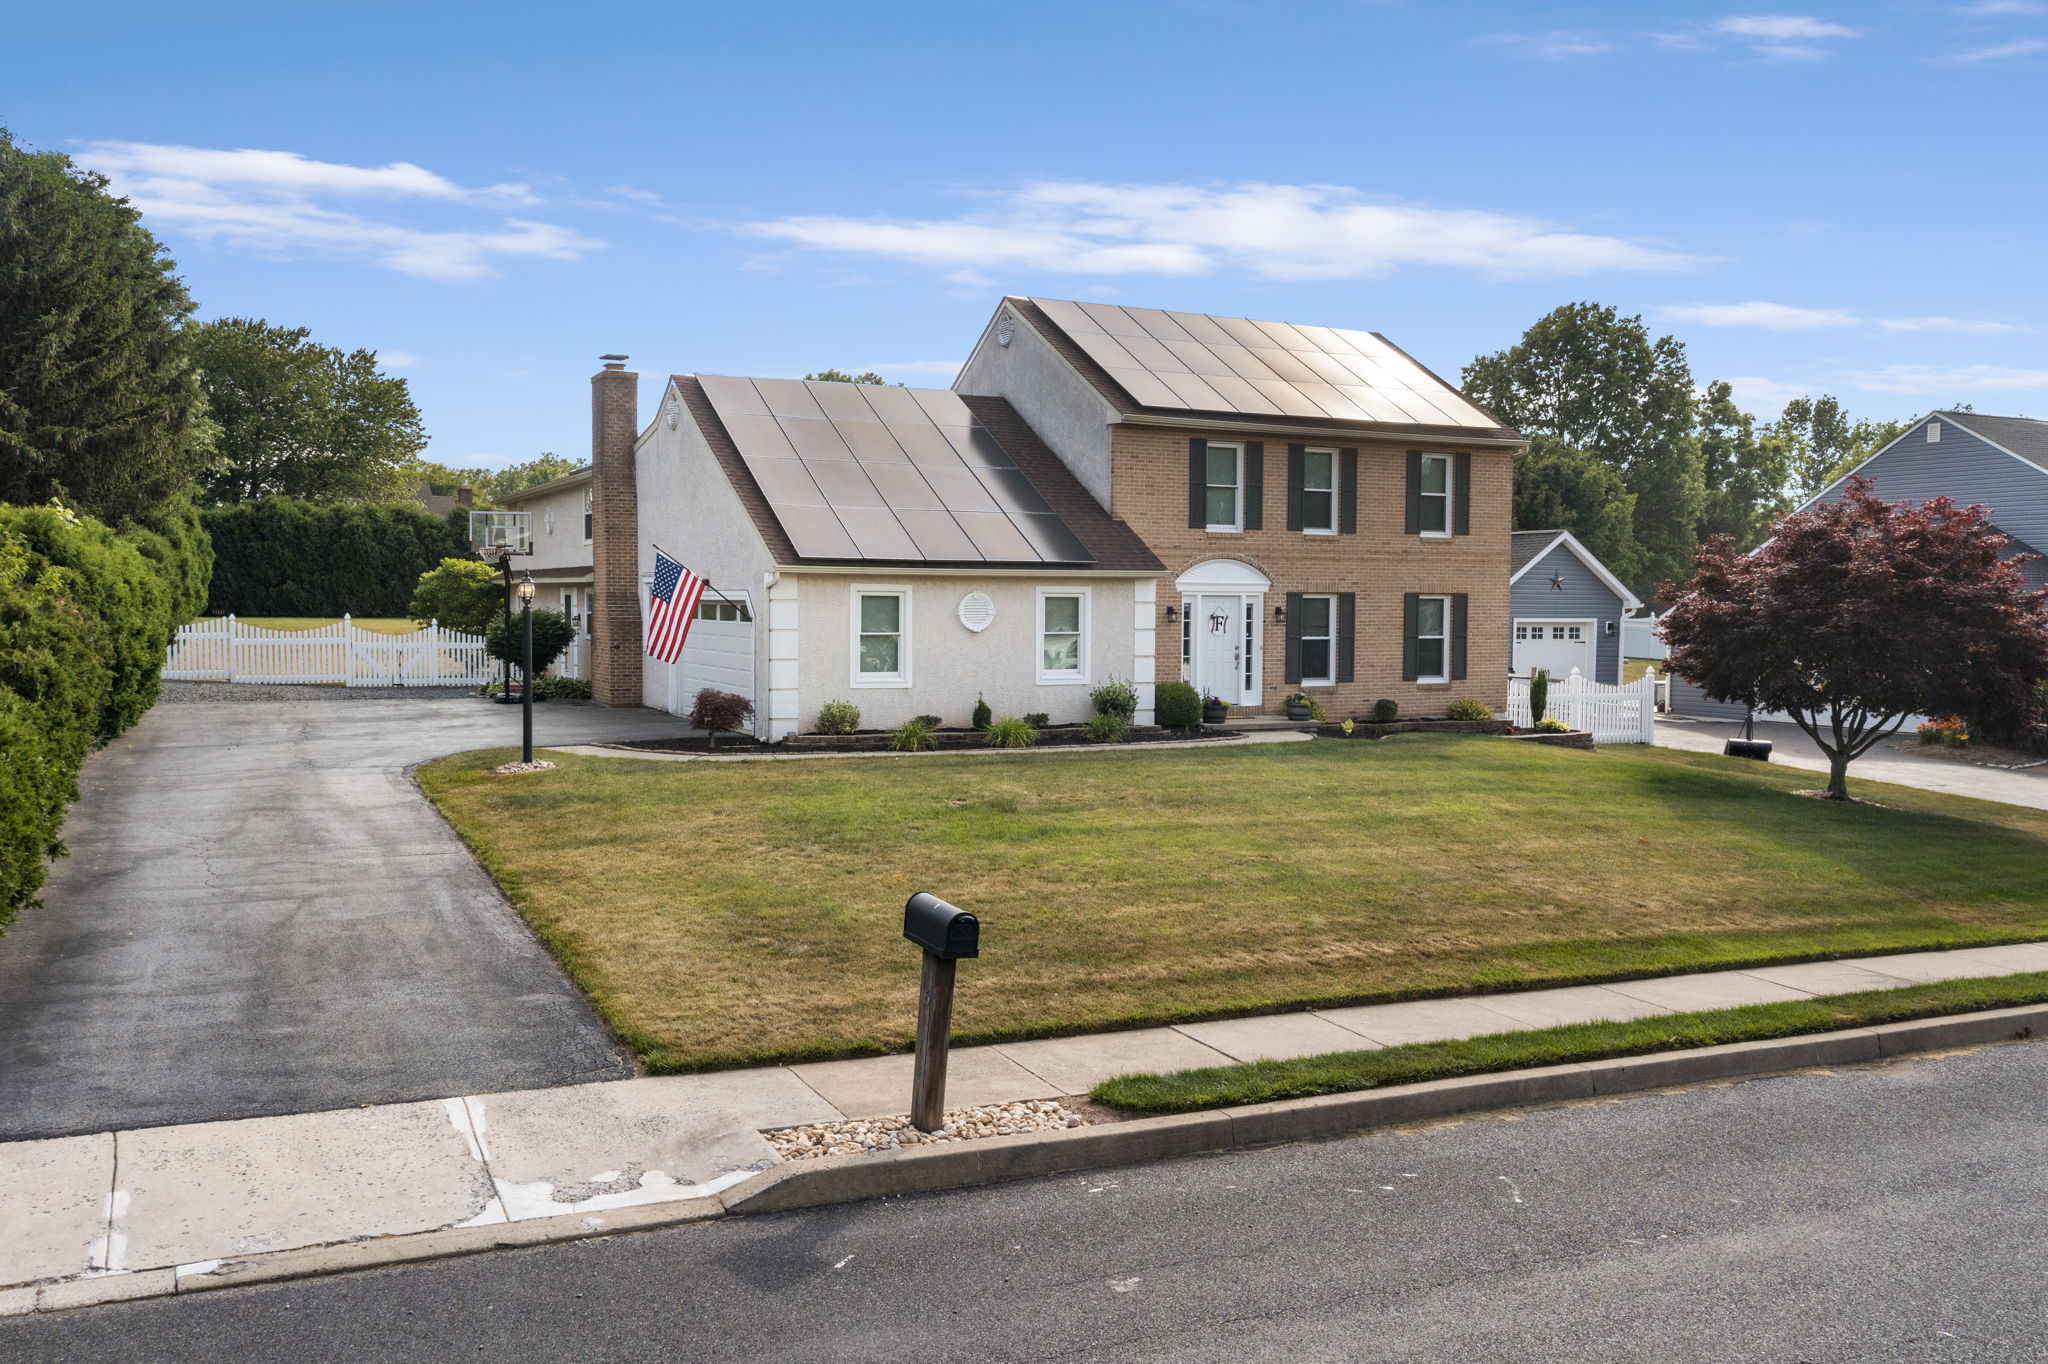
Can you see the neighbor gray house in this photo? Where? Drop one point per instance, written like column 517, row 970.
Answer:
column 1565, row 608
column 1998, row 462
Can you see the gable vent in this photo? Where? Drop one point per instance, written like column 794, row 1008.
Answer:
column 1934, row 433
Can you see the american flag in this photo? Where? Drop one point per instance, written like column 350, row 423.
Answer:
column 672, row 607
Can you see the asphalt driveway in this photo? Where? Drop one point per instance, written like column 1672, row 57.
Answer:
column 1791, row 748
column 261, row 914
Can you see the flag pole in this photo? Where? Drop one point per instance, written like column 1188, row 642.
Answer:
column 707, row 582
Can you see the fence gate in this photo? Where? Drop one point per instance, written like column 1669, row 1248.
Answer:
column 343, row 654
column 1626, row 714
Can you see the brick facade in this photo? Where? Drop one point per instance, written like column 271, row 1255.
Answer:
column 1380, row 563
column 615, row 535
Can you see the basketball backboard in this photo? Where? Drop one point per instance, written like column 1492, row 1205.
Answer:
column 495, row 533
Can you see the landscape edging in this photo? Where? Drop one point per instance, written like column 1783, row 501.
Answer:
column 996, row 1160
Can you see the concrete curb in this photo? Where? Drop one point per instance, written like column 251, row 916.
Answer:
column 997, row 1160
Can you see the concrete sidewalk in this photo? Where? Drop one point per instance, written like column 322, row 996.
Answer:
column 145, row 1212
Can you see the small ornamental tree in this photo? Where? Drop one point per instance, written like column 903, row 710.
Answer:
column 462, row 594
column 719, row 712
column 1859, row 613
column 552, row 635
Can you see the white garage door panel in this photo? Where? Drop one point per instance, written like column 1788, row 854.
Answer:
column 1556, row 646
column 719, row 653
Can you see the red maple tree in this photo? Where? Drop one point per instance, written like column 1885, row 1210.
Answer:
column 1860, row 613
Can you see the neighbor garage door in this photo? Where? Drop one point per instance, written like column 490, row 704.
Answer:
column 1555, row 645
column 719, row 653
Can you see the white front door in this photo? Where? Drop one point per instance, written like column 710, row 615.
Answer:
column 1220, row 644
column 1557, row 646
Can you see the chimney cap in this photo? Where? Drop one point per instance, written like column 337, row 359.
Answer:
column 619, row 358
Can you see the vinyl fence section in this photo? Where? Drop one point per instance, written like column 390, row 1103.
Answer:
column 343, row 654
column 1626, row 714
column 1642, row 639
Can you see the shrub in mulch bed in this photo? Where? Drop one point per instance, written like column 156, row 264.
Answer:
column 973, row 740
column 1363, row 729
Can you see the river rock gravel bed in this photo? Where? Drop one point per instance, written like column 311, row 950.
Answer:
column 855, row 1135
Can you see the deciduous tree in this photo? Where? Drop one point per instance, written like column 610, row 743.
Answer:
column 1559, row 488
column 1744, row 470
column 1858, row 613
column 1823, row 444
column 303, row 419
column 1599, row 383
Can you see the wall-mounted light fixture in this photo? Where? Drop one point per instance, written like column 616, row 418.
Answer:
column 1172, row 614
column 1279, row 613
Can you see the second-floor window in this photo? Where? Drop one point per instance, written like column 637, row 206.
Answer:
column 1436, row 494
column 1226, row 487
column 587, row 517
column 1319, row 492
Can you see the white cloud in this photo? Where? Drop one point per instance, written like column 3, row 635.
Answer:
column 396, row 359
column 1783, row 317
column 2019, row 47
column 1994, row 9
column 1555, row 45
column 1765, row 398
column 1945, row 380
column 1292, row 232
column 1773, row 37
column 284, row 203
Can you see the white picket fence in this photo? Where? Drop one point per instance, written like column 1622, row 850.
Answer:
column 1626, row 714
column 229, row 650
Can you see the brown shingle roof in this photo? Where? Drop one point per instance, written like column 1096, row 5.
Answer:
column 1114, row 545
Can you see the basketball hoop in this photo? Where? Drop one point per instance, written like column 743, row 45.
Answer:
column 501, row 534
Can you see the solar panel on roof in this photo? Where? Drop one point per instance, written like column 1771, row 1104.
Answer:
column 1199, row 363
column 856, row 471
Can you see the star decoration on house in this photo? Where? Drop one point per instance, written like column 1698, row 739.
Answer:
column 1557, row 582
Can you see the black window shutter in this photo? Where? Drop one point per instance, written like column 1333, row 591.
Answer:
column 1293, row 638
column 1458, row 636
column 1347, row 492
column 1198, row 483
column 1254, row 484
column 1297, row 475
column 1414, row 492
column 1411, row 610
column 1347, row 617
column 1461, row 496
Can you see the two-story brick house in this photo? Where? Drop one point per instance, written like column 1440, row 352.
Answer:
column 1332, row 516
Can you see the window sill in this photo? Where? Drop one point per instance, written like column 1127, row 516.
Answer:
column 1061, row 680
column 1224, row 530
column 869, row 682
column 1321, row 534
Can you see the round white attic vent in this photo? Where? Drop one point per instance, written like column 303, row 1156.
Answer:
column 977, row 611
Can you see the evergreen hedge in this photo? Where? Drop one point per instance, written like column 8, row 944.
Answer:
column 279, row 556
column 86, row 615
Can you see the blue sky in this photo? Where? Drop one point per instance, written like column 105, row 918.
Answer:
column 1839, row 198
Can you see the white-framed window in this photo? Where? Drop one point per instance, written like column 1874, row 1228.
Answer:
column 1225, row 486
column 1436, row 495
column 1432, row 639
column 588, row 517
column 1318, row 633
column 1187, row 640
column 722, row 610
column 1319, row 492
column 1062, row 634
column 881, row 637
column 589, row 614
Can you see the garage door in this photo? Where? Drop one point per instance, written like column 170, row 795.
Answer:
column 1555, row 645
column 719, row 653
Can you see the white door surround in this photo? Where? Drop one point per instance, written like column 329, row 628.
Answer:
column 1223, row 605
column 1557, row 646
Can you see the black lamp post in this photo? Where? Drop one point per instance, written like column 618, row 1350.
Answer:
column 526, row 667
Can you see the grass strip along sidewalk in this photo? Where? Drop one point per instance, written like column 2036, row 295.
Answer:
column 1188, row 1091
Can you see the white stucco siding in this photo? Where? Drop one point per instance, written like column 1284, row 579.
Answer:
column 557, row 528
column 950, row 665
column 1066, row 412
column 689, row 508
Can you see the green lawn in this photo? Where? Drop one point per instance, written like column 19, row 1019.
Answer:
column 384, row 625
column 1632, row 669
column 731, row 913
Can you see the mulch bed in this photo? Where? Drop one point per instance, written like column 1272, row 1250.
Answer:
column 945, row 740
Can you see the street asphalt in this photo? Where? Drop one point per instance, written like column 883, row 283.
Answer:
column 1873, row 1214
column 261, row 914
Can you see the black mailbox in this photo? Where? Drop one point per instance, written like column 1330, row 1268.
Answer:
column 941, row 929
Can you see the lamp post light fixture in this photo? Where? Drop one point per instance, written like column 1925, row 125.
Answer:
column 526, row 667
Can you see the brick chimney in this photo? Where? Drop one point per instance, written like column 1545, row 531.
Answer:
column 615, row 534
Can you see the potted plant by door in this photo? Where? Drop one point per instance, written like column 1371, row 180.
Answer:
column 1214, row 712
column 1299, row 706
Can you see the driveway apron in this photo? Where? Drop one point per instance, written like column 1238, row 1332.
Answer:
column 261, row 914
